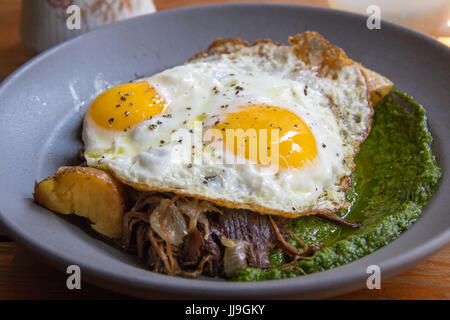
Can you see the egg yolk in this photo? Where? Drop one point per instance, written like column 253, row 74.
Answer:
column 123, row 107
column 295, row 144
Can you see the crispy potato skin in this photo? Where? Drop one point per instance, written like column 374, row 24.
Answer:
column 379, row 86
column 86, row 192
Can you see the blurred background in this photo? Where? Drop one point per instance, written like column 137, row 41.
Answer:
column 30, row 26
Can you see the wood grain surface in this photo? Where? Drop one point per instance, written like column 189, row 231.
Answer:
column 24, row 276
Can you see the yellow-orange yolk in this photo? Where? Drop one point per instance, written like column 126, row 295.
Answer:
column 295, row 144
column 123, row 107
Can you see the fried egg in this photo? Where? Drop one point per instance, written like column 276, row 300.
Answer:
column 257, row 127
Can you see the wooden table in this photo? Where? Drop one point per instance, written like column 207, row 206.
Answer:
column 24, row 276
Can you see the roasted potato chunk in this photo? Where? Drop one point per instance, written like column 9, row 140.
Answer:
column 379, row 86
column 86, row 192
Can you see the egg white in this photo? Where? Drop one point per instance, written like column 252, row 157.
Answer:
column 335, row 110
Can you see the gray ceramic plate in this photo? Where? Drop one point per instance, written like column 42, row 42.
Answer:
column 43, row 102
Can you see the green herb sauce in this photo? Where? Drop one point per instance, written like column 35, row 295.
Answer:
column 395, row 175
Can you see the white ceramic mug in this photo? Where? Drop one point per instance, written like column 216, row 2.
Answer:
column 46, row 23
